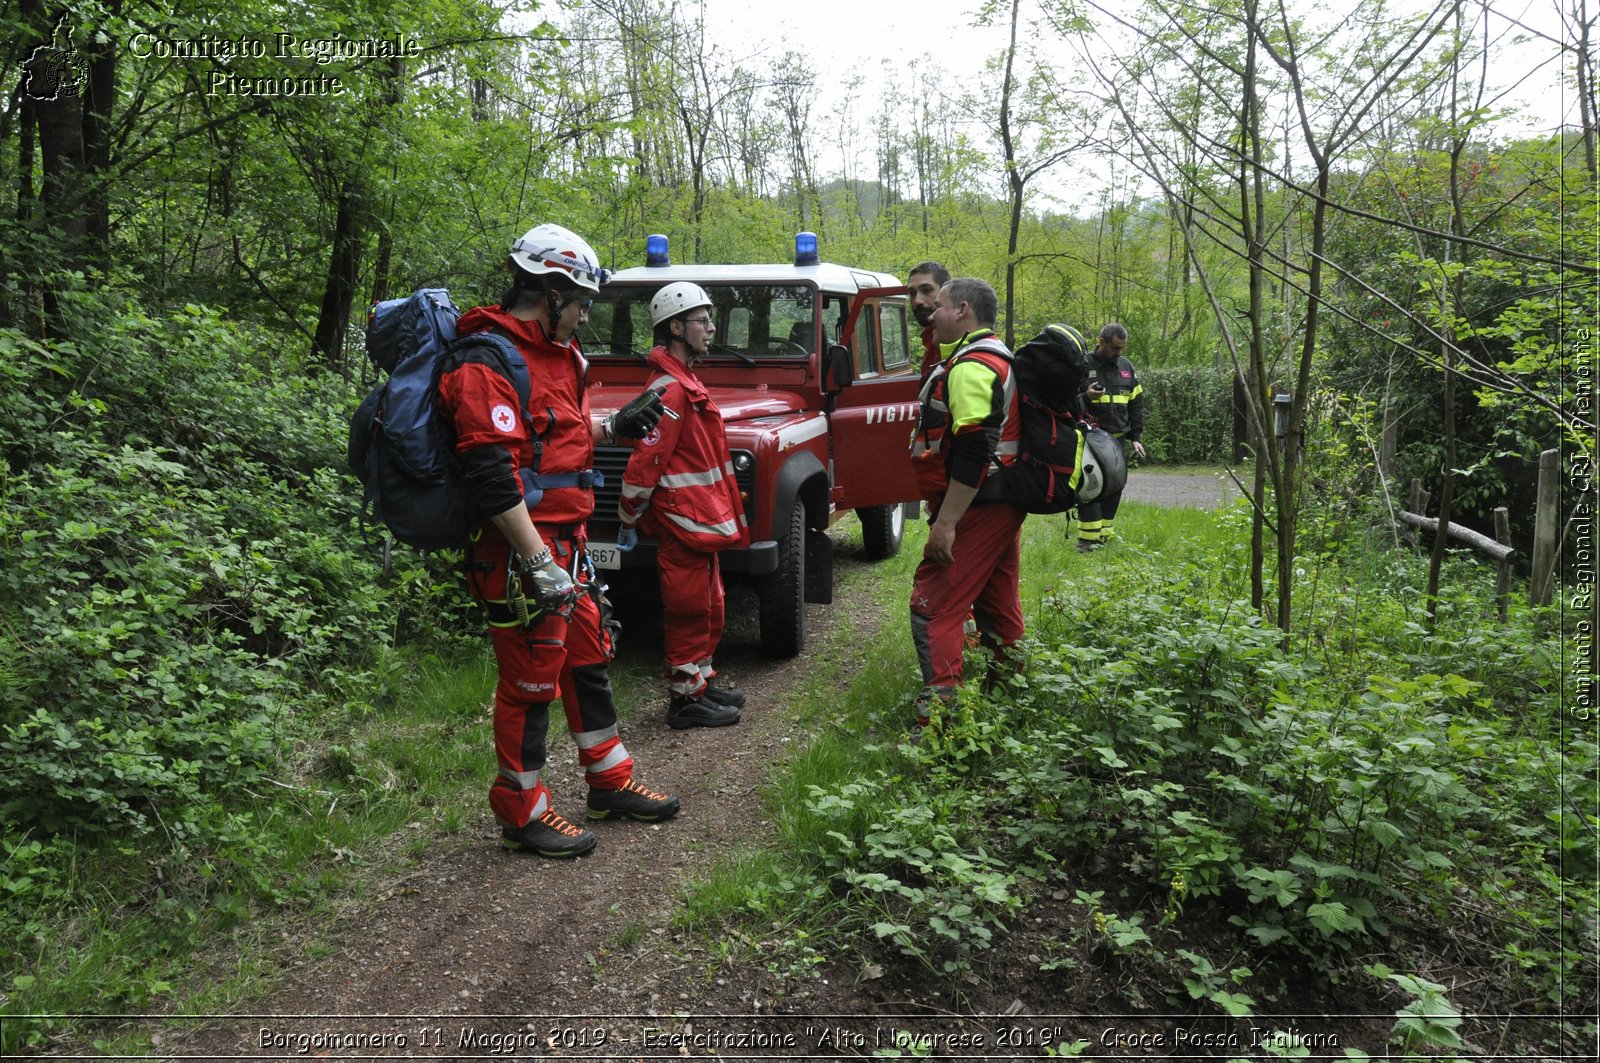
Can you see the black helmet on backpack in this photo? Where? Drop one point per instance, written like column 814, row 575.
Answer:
column 1053, row 365
column 1068, row 338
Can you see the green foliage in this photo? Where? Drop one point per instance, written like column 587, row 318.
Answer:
column 185, row 606
column 176, row 538
column 1513, row 321
column 1188, row 415
column 1321, row 800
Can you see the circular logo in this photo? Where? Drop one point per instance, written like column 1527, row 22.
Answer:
column 653, row 438
column 503, row 417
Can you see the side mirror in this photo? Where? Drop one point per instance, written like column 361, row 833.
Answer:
column 838, row 369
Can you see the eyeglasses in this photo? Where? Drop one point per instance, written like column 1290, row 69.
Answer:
column 703, row 322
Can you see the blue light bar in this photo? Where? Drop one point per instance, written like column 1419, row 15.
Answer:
column 805, row 249
column 655, row 250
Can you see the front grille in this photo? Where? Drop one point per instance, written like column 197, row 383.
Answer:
column 610, row 463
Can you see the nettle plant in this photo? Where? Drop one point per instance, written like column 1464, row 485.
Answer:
column 1326, row 797
column 1319, row 811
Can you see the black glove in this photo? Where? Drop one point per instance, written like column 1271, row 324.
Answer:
column 637, row 418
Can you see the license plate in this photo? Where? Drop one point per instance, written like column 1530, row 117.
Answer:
column 605, row 555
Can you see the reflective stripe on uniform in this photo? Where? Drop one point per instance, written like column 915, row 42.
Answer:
column 686, row 679
column 590, row 739
column 522, row 780
column 609, row 761
column 709, row 478
column 722, row 528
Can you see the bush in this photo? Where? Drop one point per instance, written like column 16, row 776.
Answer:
column 1290, row 807
column 182, row 574
column 1188, row 415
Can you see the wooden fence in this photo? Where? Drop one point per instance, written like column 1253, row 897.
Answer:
column 1547, row 518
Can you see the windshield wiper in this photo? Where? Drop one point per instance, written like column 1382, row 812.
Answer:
column 720, row 348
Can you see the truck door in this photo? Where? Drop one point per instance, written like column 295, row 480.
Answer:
column 872, row 419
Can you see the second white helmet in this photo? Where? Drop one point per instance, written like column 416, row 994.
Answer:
column 677, row 298
column 553, row 249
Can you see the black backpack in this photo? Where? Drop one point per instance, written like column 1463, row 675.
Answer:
column 1049, row 371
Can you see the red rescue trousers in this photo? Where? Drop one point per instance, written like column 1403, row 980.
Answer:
column 981, row 581
column 553, row 657
column 692, row 610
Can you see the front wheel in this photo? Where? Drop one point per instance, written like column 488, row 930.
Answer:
column 782, row 593
column 882, row 528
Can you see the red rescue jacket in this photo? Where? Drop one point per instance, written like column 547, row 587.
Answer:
column 682, row 471
column 493, row 440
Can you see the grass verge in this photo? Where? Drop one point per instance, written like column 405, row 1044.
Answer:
column 197, row 926
column 1232, row 823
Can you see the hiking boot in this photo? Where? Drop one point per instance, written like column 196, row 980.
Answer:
column 693, row 710
column 729, row 697
column 1085, row 547
column 551, row 835
column 930, row 701
column 632, row 801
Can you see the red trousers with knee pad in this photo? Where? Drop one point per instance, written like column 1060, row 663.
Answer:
column 983, row 581
column 553, row 657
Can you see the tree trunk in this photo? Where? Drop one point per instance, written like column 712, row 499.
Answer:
column 394, row 92
column 1014, row 181
column 1450, row 299
column 61, row 152
column 1587, row 104
column 100, row 91
column 344, row 270
column 62, row 179
column 1252, row 217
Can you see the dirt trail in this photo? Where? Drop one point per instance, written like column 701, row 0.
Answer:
column 480, row 939
column 478, row 951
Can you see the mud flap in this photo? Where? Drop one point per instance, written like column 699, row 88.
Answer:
column 819, row 567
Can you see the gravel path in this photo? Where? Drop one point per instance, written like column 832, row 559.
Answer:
column 1187, row 490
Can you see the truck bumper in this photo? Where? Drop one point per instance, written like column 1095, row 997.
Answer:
column 757, row 559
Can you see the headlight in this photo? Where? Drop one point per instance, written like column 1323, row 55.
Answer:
column 743, row 462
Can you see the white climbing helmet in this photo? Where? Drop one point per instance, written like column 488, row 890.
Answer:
column 677, row 298
column 553, row 249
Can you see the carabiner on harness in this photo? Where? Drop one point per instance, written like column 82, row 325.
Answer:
column 553, row 588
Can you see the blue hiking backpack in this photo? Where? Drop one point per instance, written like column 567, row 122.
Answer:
column 402, row 449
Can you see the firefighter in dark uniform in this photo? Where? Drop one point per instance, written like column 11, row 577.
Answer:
column 1115, row 399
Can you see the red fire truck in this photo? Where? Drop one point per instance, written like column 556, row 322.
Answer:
column 814, row 367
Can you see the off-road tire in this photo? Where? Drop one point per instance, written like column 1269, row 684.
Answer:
column 882, row 529
column 782, row 593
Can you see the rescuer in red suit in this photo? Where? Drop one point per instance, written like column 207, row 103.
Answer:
column 679, row 487
column 968, row 427
column 528, row 564
column 925, row 280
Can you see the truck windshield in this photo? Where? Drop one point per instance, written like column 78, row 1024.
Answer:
column 753, row 321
